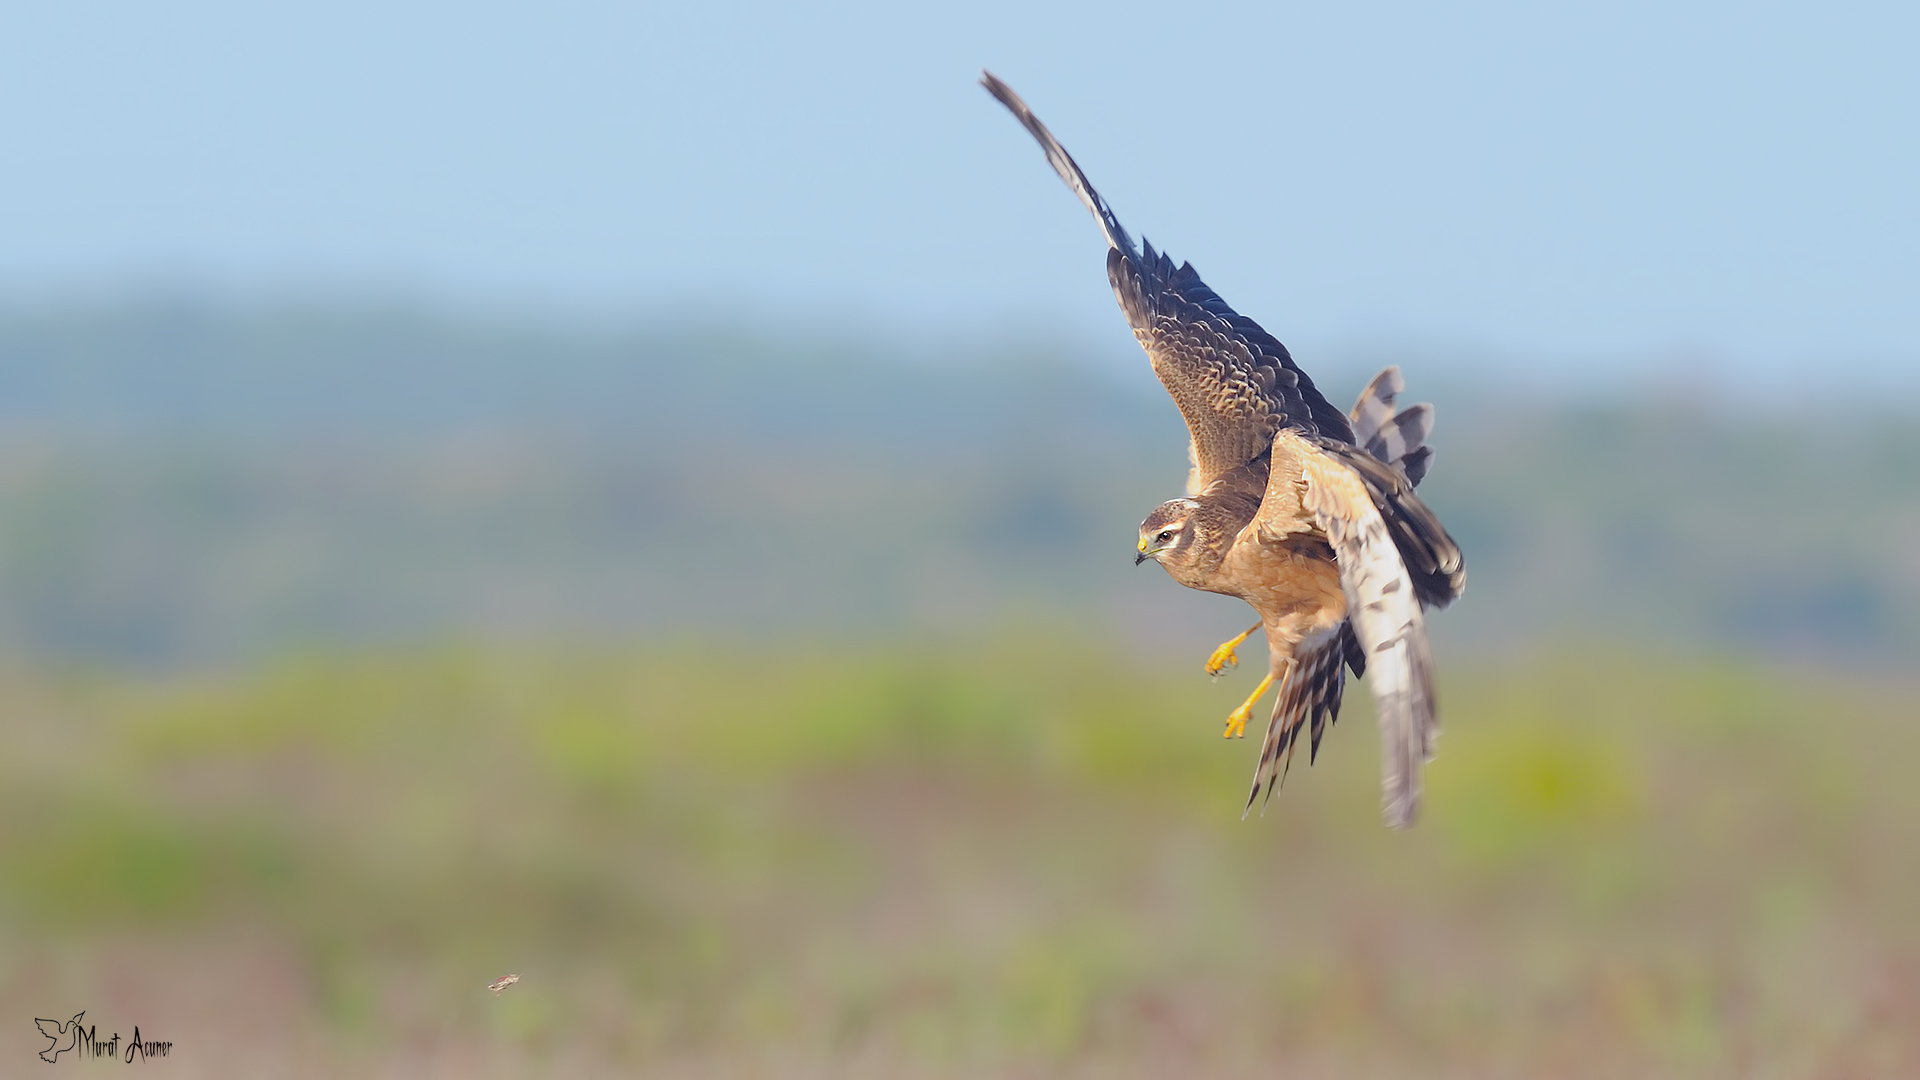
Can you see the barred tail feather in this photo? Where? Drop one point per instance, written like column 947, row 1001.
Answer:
column 1309, row 701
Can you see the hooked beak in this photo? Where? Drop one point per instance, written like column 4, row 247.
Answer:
column 1146, row 549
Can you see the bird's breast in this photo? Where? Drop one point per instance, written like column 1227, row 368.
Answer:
column 1291, row 581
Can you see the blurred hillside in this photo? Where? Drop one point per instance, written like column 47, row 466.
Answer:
column 192, row 484
column 768, row 707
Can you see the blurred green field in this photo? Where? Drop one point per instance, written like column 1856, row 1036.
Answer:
column 1018, row 854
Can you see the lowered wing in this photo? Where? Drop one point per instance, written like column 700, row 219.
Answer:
column 1363, row 506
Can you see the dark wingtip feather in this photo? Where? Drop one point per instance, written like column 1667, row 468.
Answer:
column 1062, row 163
column 1415, row 464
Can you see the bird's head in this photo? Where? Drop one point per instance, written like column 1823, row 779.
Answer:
column 1168, row 533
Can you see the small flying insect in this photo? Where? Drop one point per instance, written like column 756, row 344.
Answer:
column 502, row 983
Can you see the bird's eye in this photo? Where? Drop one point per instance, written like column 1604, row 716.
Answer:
column 1165, row 536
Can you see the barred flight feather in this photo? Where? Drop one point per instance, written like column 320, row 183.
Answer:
column 1431, row 557
column 1396, row 438
column 1385, row 613
column 1374, row 407
column 1309, row 700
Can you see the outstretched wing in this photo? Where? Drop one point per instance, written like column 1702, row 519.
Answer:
column 1332, row 488
column 1234, row 383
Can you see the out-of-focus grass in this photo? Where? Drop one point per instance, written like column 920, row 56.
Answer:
column 955, row 858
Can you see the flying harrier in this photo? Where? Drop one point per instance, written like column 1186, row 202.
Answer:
column 1304, row 512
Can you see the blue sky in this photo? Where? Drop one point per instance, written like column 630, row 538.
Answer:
column 1735, row 183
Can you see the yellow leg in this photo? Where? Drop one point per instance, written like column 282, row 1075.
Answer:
column 1237, row 719
column 1223, row 657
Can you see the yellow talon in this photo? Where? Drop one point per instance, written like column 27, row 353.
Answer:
column 1237, row 719
column 1224, row 658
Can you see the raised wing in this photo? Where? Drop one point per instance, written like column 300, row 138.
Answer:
column 54, row 1029
column 1234, row 383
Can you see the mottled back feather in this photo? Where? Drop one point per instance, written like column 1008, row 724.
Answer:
column 1235, row 384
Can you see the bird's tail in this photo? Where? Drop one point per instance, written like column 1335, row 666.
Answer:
column 1063, row 164
column 1309, row 701
column 1397, row 438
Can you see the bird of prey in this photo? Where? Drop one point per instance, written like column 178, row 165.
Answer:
column 1306, row 513
column 54, row 1030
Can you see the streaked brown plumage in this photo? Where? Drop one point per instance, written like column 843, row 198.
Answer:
column 1306, row 513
